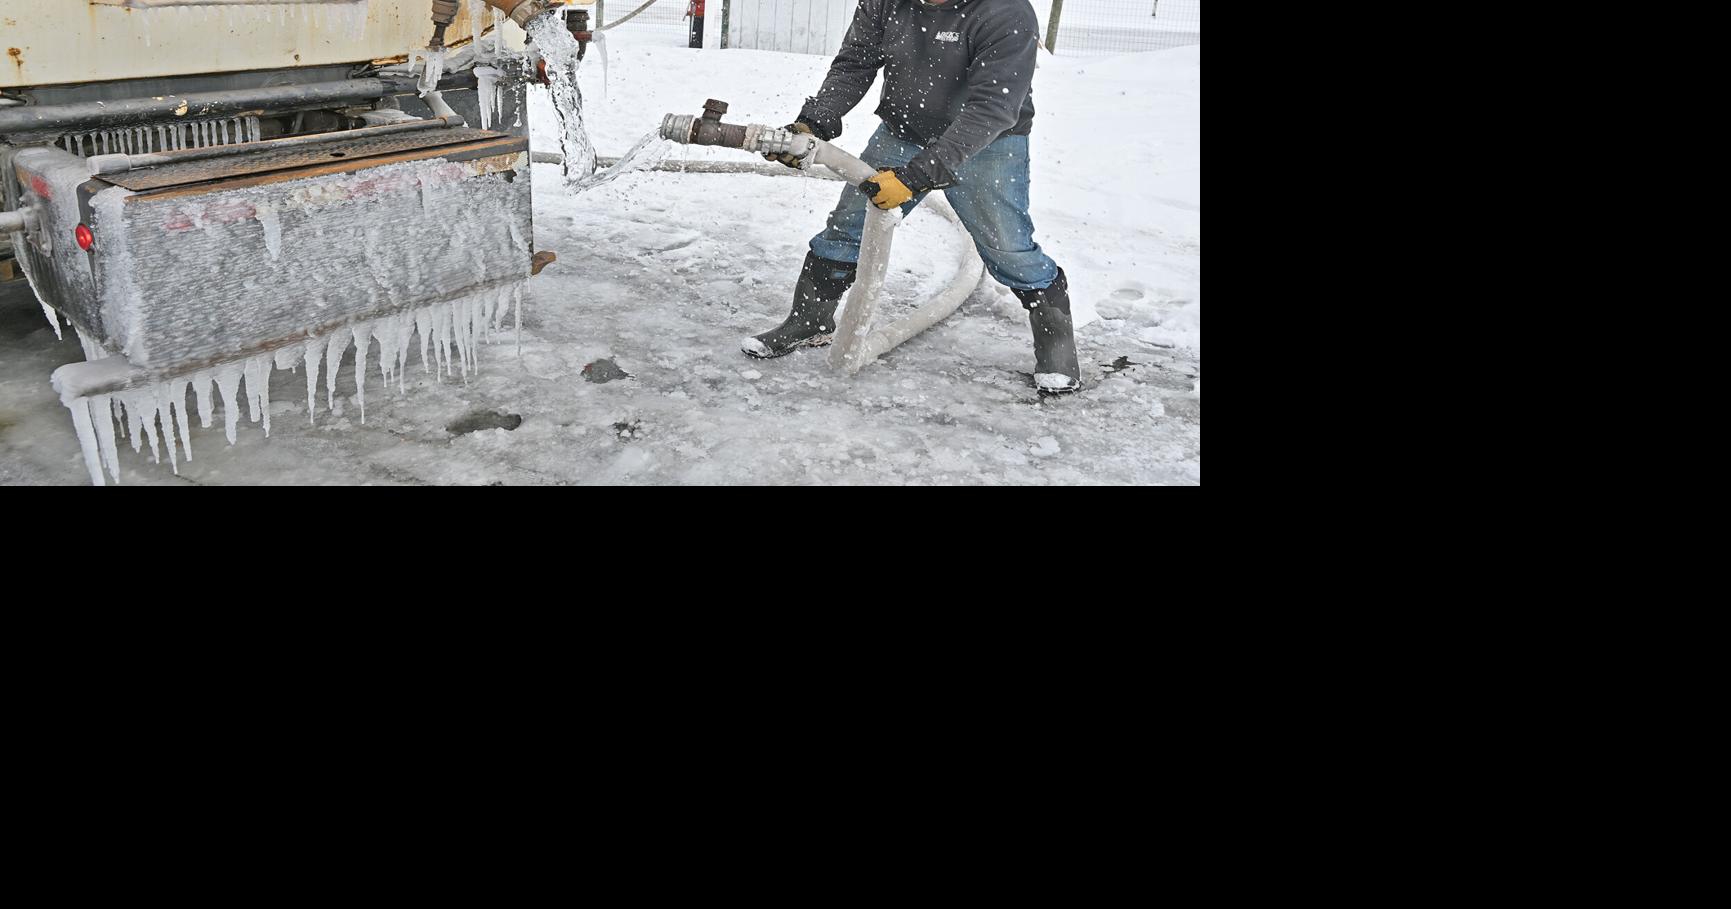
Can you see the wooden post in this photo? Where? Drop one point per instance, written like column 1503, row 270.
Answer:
column 1052, row 29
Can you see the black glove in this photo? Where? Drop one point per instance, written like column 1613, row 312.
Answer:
column 789, row 160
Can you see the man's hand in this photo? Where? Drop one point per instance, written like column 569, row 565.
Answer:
column 887, row 191
column 787, row 159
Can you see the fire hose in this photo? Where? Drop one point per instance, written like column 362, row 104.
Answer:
column 856, row 344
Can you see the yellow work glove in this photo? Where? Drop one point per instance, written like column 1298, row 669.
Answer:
column 887, row 191
column 790, row 160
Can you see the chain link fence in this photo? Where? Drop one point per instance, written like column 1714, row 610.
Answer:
column 655, row 22
column 1101, row 27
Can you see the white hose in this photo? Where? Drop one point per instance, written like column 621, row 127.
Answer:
column 855, row 343
column 969, row 270
column 853, row 324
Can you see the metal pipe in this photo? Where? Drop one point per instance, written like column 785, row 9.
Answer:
column 520, row 11
column 120, row 164
column 764, row 140
column 135, row 111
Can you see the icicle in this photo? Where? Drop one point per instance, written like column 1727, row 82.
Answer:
column 201, row 390
column 53, row 318
column 385, row 330
column 228, row 387
column 424, row 325
column 87, row 443
column 599, row 45
column 134, row 424
column 258, row 389
column 476, row 9
column 363, row 340
column 177, row 397
column 442, row 344
column 486, row 93
column 333, row 362
column 264, row 392
column 165, row 417
column 160, row 414
column 314, row 352
column 141, row 408
column 102, row 410
column 406, row 337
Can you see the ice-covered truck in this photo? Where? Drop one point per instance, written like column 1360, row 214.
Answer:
column 207, row 190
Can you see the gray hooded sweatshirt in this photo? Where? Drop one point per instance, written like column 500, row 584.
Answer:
column 956, row 78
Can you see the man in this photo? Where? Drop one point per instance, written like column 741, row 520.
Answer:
column 957, row 110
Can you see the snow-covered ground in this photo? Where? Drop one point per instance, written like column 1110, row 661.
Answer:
column 662, row 273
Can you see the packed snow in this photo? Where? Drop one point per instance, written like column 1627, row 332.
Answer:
column 660, row 274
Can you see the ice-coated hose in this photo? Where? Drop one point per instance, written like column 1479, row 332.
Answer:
column 12, row 221
column 856, row 345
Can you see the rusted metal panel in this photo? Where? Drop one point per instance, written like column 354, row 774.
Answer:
column 494, row 156
column 242, row 165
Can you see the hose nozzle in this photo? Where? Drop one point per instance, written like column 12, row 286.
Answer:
column 709, row 130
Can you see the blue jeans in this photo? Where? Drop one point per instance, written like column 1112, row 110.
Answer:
column 990, row 196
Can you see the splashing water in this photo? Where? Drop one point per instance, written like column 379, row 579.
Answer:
column 559, row 49
column 646, row 154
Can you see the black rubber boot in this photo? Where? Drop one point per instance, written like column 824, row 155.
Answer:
column 1056, row 370
column 822, row 284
